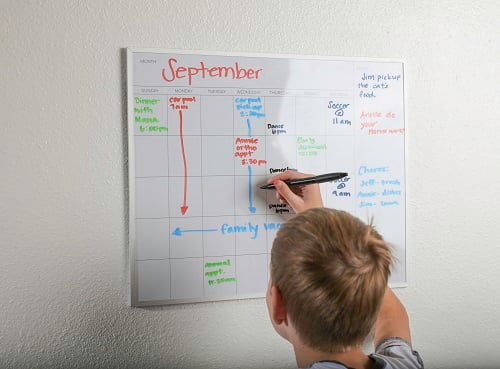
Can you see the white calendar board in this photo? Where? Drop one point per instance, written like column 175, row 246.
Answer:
column 205, row 130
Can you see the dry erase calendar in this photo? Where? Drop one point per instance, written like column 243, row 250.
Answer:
column 206, row 129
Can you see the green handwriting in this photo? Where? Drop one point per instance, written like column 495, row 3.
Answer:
column 139, row 100
column 213, row 282
column 218, row 263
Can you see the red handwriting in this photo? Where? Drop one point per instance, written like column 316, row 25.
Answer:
column 245, row 147
column 180, row 103
column 371, row 124
column 174, row 72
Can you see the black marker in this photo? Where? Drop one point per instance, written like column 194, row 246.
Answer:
column 308, row 180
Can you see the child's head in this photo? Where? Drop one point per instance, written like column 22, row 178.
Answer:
column 331, row 270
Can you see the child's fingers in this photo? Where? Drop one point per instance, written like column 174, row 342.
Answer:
column 287, row 194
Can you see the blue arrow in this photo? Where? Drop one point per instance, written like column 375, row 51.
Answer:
column 250, row 202
column 249, row 125
column 179, row 232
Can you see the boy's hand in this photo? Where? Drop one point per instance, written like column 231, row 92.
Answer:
column 300, row 198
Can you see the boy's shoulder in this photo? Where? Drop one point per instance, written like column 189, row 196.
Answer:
column 391, row 353
column 398, row 354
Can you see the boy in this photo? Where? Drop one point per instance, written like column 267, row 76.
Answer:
column 328, row 287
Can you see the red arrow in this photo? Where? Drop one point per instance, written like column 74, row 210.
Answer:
column 184, row 207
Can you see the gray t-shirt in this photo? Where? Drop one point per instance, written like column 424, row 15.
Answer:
column 391, row 353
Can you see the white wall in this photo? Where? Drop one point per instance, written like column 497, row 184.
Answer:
column 63, row 210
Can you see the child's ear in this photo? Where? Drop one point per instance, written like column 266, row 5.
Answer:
column 277, row 309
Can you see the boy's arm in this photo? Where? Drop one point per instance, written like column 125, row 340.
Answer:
column 392, row 320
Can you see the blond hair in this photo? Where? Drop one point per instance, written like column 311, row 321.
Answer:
column 332, row 271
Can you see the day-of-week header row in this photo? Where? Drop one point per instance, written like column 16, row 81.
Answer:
column 237, row 91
